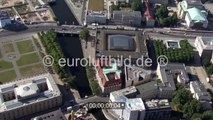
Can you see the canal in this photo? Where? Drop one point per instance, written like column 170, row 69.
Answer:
column 71, row 46
column 72, row 50
column 63, row 13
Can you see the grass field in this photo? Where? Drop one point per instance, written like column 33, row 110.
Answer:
column 96, row 5
column 28, row 59
column 7, row 76
column 8, row 48
column 25, row 46
column 5, row 65
column 0, row 55
column 32, row 70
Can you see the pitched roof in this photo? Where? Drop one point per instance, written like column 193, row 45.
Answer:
column 196, row 14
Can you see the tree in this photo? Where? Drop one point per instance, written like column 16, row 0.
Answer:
column 174, row 19
column 206, row 62
column 207, row 115
column 209, row 70
column 162, row 11
column 84, row 34
column 115, row 7
column 136, row 5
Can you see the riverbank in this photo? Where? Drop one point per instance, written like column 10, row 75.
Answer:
column 77, row 11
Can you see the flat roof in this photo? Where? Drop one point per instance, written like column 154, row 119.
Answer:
column 121, row 42
column 157, row 103
column 140, row 47
column 135, row 104
column 24, row 87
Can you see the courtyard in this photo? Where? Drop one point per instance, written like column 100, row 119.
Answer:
column 19, row 59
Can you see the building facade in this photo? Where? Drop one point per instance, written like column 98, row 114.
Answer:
column 199, row 92
column 136, row 75
column 28, row 96
column 204, row 46
column 132, row 18
column 134, row 107
column 96, row 17
column 158, row 109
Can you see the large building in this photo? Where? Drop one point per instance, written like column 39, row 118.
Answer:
column 125, row 44
column 166, row 75
column 132, row 18
column 184, row 5
column 158, row 109
column 199, row 92
column 95, row 17
column 108, row 75
column 134, row 107
column 136, row 75
column 54, row 115
column 193, row 12
column 4, row 18
column 195, row 18
column 28, row 96
column 204, row 46
column 138, row 108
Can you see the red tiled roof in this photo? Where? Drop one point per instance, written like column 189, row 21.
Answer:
column 148, row 12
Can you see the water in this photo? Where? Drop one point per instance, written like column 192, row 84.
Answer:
column 63, row 13
column 71, row 48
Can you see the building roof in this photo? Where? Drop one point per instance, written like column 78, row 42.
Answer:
column 111, row 72
column 135, row 104
column 4, row 15
column 143, row 88
column 128, row 13
column 27, row 87
column 121, row 42
column 157, row 104
column 140, row 47
column 132, row 104
column 196, row 15
column 148, row 13
column 193, row 2
column 133, row 72
column 96, row 5
column 207, row 41
column 200, row 90
column 26, row 90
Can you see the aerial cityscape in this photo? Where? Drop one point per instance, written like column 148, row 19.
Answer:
column 106, row 59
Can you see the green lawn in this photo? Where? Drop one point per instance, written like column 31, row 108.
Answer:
column 7, row 76
column 5, row 65
column 32, row 70
column 96, row 5
column 0, row 55
column 8, row 48
column 25, row 46
column 28, row 59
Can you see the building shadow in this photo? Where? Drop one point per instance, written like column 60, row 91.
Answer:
column 16, row 26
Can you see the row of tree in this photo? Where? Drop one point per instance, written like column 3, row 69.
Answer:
column 164, row 19
column 52, row 48
column 93, row 84
column 183, row 54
